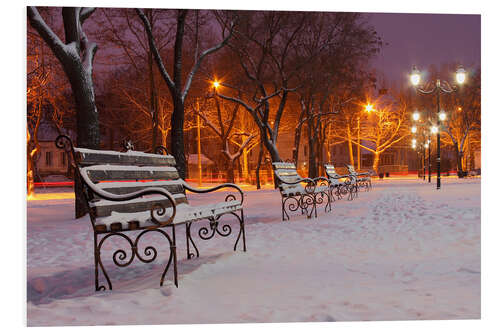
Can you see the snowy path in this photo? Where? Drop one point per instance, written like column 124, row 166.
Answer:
column 401, row 251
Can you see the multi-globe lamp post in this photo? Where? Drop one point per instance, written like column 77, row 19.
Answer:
column 437, row 87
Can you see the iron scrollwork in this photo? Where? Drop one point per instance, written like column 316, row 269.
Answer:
column 121, row 257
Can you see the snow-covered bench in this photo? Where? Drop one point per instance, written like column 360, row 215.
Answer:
column 296, row 196
column 339, row 184
column 361, row 179
column 134, row 194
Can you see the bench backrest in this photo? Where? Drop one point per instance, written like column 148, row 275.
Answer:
column 331, row 173
column 351, row 169
column 122, row 173
column 287, row 171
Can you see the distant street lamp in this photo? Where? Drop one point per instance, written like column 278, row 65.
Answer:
column 442, row 116
column 416, row 115
column 368, row 108
column 437, row 87
column 215, row 85
column 421, row 128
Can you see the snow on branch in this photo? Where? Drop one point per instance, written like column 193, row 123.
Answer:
column 85, row 13
column 52, row 40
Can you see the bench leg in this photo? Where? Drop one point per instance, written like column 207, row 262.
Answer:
column 97, row 263
column 189, row 240
column 173, row 253
column 121, row 258
column 328, row 206
column 283, row 212
column 241, row 234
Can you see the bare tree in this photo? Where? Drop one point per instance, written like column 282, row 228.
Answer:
column 179, row 88
column 384, row 127
column 220, row 117
column 123, row 31
column 76, row 56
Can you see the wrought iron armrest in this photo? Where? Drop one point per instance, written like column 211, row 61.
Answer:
column 318, row 181
column 215, row 188
column 157, row 208
column 310, row 187
column 341, row 176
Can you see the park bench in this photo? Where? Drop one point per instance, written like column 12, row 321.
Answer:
column 339, row 187
column 131, row 194
column 295, row 196
column 361, row 179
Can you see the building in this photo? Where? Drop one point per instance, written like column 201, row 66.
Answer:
column 51, row 160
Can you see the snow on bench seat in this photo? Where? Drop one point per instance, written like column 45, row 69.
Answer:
column 185, row 213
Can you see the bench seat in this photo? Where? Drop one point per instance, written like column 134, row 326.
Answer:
column 118, row 221
column 301, row 190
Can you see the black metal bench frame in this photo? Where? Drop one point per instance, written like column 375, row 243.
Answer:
column 340, row 189
column 149, row 253
column 307, row 199
column 362, row 179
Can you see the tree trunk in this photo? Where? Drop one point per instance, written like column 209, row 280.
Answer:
column 230, row 171
column 87, row 127
column 245, row 164
column 111, row 138
column 460, row 170
column 153, row 95
column 30, row 172
column 312, row 167
column 295, row 153
column 259, row 161
column 87, row 117
column 153, row 104
column 349, row 145
column 272, row 149
column 177, row 136
column 376, row 160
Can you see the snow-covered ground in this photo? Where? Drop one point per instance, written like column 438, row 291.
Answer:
column 403, row 251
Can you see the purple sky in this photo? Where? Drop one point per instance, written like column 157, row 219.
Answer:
column 424, row 39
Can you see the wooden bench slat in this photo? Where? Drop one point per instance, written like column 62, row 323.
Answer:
column 173, row 186
column 185, row 213
column 102, row 207
column 100, row 173
column 86, row 157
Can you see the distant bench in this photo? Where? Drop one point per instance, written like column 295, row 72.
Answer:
column 136, row 191
column 295, row 196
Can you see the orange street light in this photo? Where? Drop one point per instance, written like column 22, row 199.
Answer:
column 369, row 108
column 216, row 84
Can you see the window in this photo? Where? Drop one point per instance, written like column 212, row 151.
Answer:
column 387, row 159
column 63, row 158
column 48, row 158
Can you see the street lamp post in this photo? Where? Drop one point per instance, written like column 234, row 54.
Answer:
column 359, row 150
column 199, row 141
column 368, row 108
column 437, row 87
